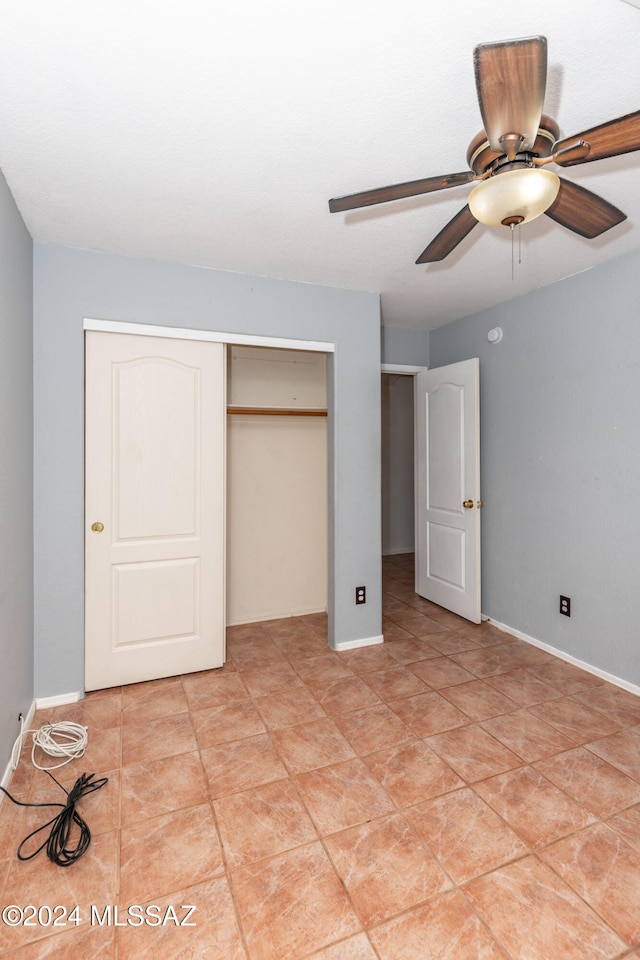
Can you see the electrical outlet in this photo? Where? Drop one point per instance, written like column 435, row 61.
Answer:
column 565, row 606
column 361, row 594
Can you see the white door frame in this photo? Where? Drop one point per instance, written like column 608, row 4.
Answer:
column 408, row 370
column 405, row 369
column 218, row 336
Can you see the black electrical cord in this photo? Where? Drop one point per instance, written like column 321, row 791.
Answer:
column 57, row 843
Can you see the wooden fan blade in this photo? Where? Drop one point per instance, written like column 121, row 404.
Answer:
column 607, row 140
column 583, row 212
column 511, row 77
column 412, row 188
column 449, row 237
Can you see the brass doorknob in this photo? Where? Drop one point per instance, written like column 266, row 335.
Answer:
column 467, row 504
column 97, row 527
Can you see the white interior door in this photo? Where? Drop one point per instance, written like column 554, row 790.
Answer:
column 155, row 422
column 448, row 487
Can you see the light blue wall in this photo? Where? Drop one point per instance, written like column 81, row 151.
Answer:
column 72, row 284
column 16, row 472
column 560, row 440
column 403, row 346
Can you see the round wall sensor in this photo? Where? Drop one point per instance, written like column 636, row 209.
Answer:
column 495, row 335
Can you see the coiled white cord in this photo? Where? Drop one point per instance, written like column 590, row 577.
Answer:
column 64, row 739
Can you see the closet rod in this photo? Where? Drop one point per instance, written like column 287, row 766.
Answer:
column 277, row 412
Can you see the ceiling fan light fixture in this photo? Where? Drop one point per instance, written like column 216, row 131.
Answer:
column 515, row 196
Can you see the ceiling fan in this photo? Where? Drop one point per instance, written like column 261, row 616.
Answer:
column 509, row 157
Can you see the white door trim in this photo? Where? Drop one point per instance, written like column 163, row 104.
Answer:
column 179, row 333
column 403, row 368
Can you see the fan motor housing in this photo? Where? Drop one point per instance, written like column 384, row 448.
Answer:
column 481, row 157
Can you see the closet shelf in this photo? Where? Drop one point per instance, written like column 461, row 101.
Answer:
column 277, row 411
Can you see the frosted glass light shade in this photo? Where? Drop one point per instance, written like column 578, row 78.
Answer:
column 524, row 193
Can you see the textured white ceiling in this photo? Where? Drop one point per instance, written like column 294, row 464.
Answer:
column 214, row 134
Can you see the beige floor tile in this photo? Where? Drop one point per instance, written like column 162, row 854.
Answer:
column 270, row 678
column 428, row 713
column 292, row 904
column 93, row 879
column 342, row 796
column 226, row 722
column 473, row 753
column 587, row 861
column 345, row 696
column 167, row 853
column 441, row 672
column 565, row 677
column 523, row 687
column 622, row 750
column 307, row 746
column 445, row 927
column 213, row 936
column 393, row 631
column 242, row 764
column 395, row 683
column 501, row 658
column 450, row 641
column 164, row 737
column 478, row 700
column 318, row 672
column 401, row 766
column 527, row 735
column 354, row 948
column 71, row 943
column 627, row 825
column 247, row 654
column 465, row 834
column 410, row 650
column 211, row 688
column 142, row 702
column 262, row 822
column 162, row 786
column 536, row 809
column 385, row 868
column 575, row 720
column 364, row 660
column 534, row 914
column 591, row 781
column 374, row 728
column 288, row 707
column 412, row 772
column 620, row 705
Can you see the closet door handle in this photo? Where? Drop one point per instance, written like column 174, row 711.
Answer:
column 97, row 527
column 468, row 504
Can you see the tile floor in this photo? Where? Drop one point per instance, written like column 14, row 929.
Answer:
column 453, row 793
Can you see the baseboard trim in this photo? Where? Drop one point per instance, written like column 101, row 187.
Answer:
column 43, row 703
column 8, row 773
column 274, row 615
column 397, row 551
column 354, row 644
column 596, row 671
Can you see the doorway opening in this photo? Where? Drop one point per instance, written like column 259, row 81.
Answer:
column 398, row 464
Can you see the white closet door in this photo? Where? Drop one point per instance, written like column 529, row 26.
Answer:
column 154, row 507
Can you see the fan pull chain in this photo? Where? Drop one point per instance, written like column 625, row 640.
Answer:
column 519, row 244
column 512, row 253
column 512, row 225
